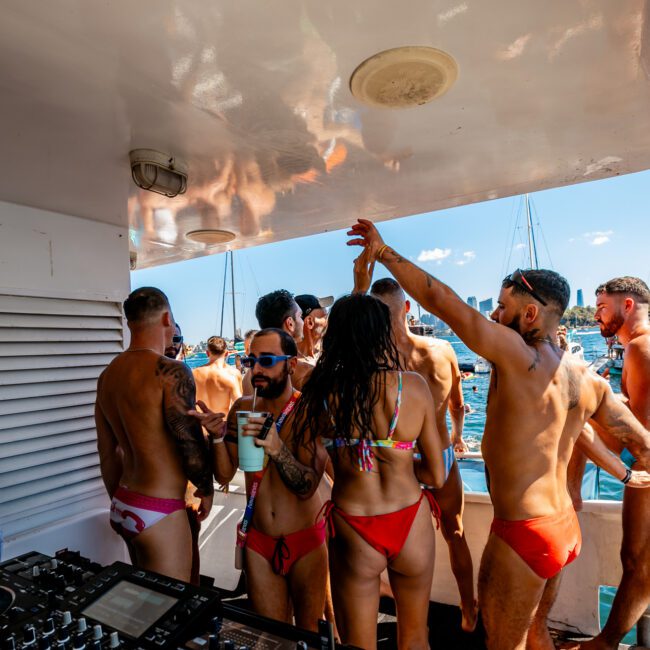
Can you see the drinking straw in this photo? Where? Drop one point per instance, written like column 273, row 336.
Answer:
column 254, row 398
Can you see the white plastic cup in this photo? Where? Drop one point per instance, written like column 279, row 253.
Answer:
column 251, row 457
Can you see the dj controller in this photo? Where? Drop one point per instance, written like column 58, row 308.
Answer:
column 68, row 602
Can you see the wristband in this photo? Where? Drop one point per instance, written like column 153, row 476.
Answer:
column 381, row 251
column 217, row 441
column 628, row 475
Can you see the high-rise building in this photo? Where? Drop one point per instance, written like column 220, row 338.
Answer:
column 581, row 300
column 486, row 305
column 471, row 301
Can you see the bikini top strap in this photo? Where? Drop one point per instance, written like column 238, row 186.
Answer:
column 398, row 402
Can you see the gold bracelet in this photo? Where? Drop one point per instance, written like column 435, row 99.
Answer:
column 381, row 251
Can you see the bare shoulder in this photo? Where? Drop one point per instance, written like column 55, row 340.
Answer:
column 170, row 371
column 638, row 350
column 415, row 382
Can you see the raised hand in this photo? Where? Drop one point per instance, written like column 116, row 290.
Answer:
column 364, row 267
column 366, row 235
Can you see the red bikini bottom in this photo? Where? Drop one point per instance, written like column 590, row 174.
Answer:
column 546, row 544
column 387, row 533
column 284, row 551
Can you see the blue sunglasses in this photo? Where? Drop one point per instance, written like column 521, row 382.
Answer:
column 265, row 360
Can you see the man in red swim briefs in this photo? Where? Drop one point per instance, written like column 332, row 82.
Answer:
column 285, row 556
column 149, row 447
column 539, row 400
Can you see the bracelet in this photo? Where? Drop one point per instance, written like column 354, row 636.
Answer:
column 216, row 441
column 628, row 475
column 381, row 251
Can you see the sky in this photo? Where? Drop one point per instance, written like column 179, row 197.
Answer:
column 588, row 232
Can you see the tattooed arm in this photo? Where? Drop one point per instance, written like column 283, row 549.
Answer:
column 179, row 397
column 619, row 421
column 301, row 474
column 490, row 340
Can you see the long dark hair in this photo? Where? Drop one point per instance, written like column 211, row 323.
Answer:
column 342, row 389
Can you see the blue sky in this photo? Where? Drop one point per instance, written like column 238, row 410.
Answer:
column 592, row 231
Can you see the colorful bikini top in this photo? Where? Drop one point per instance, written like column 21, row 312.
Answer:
column 365, row 446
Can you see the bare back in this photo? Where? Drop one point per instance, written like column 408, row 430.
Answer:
column 537, row 405
column 392, row 483
column 436, row 361
column 217, row 386
column 130, row 406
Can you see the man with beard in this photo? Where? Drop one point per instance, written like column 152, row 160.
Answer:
column 279, row 310
column 314, row 316
column 539, row 401
column 622, row 310
column 285, row 552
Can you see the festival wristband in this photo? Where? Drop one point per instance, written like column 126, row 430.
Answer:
column 216, row 441
column 628, row 475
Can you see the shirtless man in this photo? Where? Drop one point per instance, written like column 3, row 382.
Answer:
column 622, row 310
column 314, row 316
column 285, row 551
column 436, row 361
column 148, row 445
column 217, row 384
column 540, row 399
column 280, row 310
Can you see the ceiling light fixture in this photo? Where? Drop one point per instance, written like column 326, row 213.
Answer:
column 211, row 236
column 403, row 77
column 158, row 172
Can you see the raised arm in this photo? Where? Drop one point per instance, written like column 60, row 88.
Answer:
column 490, row 340
column 110, row 458
column 179, row 396
column 617, row 420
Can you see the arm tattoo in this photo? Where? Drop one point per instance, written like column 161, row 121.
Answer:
column 179, row 395
column 295, row 475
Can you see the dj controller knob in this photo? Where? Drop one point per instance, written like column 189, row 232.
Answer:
column 66, row 618
column 36, row 572
column 45, row 643
column 54, row 563
column 82, row 626
column 301, row 645
column 216, row 624
column 78, row 642
column 114, row 640
column 213, row 642
column 48, row 627
column 9, row 643
column 95, row 645
column 228, row 645
column 98, row 633
column 29, row 635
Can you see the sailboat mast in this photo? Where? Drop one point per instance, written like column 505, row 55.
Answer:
column 232, row 286
column 531, row 252
column 223, row 293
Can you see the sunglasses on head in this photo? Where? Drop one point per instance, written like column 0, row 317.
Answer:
column 265, row 360
column 520, row 280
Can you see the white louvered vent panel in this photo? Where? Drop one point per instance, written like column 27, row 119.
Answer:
column 51, row 353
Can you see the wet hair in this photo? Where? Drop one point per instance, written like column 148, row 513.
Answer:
column 145, row 303
column 217, row 345
column 250, row 334
column 629, row 286
column 343, row 387
column 287, row 343
column 387, row 287
column 548, row 284
column 274, row 308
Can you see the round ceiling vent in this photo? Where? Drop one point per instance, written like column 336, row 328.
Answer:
column 404, row 77
column 211, row 236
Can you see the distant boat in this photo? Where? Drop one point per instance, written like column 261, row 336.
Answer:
column 482, row 366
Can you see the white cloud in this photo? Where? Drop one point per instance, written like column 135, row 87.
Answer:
column 519, row 247
column 598, row 237
column 468, row 256
column 434, row 255
column 600, row 240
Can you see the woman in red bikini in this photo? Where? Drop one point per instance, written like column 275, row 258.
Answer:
column 369, row 415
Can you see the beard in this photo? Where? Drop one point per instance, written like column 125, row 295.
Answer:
column 514, row 324
column 271, row 388
column 610, row 329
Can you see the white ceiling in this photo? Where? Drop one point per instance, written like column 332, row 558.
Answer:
column 254, row 95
